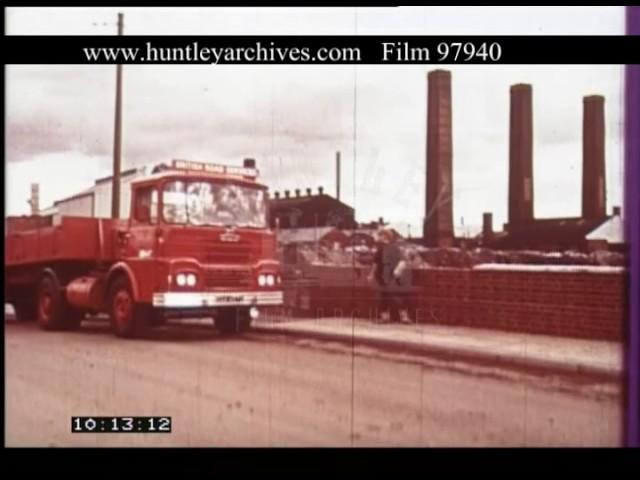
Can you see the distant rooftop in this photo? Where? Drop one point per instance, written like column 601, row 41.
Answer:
column 302, row 235
column 612, row 231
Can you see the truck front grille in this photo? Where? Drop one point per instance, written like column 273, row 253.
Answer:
column 218, row 277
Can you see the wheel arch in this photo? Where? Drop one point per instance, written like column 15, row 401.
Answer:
column 118, row 270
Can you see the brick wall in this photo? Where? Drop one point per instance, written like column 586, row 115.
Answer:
column 565, row 303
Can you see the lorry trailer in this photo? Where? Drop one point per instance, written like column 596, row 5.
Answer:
column 196, row 243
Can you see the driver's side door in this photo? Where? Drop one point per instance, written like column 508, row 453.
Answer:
column 143, row 238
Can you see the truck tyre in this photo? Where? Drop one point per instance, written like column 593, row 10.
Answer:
column 53, row 312
column 233, row 320
column 128, row 319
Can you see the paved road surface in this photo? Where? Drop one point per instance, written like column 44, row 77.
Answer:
column 269, row 390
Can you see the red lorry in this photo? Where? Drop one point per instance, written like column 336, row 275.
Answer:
column 197, row 243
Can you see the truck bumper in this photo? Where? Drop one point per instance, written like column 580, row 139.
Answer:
column 216, row 299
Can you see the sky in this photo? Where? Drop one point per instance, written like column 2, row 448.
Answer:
column 292, row 119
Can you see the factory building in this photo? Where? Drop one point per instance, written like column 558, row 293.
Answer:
column 309, row 210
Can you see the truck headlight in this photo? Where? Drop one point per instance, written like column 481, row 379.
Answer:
column 186, row 279
column 266, row 280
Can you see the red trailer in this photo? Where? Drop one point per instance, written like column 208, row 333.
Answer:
column 197, row 243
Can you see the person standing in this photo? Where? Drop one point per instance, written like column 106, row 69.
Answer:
column 391, row 273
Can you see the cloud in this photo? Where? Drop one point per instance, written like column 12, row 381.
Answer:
column 56, row 109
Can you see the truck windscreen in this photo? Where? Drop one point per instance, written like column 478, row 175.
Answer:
column 209, row 203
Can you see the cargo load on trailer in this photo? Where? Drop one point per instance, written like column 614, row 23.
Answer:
column 195, row 242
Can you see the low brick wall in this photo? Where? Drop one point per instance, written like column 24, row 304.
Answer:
column 586, row 303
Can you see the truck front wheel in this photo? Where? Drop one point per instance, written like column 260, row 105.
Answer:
column 128, row 318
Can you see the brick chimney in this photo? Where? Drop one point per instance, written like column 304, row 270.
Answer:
column 487, row 227
column 521, row 155
column 438, row 221
column 594, row 199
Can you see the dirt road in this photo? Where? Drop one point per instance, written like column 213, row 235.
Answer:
column 264, row 390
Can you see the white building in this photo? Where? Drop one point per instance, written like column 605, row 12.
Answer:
column 96, row 200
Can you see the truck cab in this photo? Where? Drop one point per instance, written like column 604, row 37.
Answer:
column 205, row 230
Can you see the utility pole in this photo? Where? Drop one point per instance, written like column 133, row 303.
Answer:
column 338, row 175
column 117, row 136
